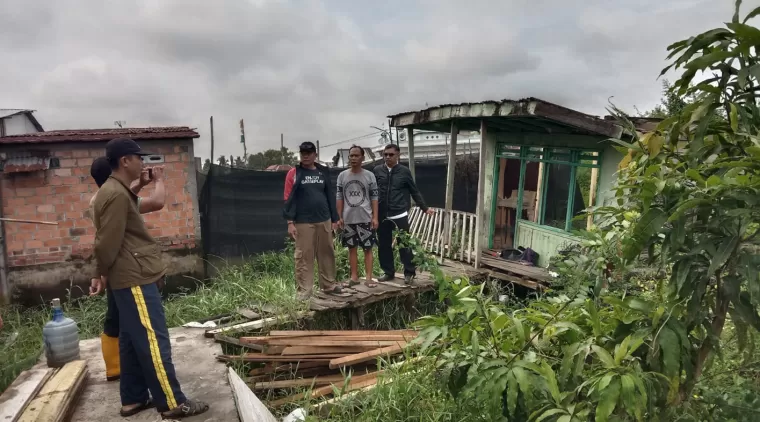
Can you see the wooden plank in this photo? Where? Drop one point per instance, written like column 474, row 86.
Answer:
column 250, row 325
column 251, row 357
column 24, row 388
column 463, row 231
column 327, row 341
column 55, row 400
column 255, row 325
column 366, row 356
column 341, row 333
column 317, row 302
column 301, row 382
column 592, row 196
column 537, row 273
column 517, row 280
column 340, row 341
column 353, row 384
column 304, row 350
column 275, row 367
column 471, row 248
column 250, row 408
column 247, row 313
column 219, row 338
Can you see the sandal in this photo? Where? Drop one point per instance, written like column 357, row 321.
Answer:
column 131, row 412
column 188, row 408
column 351, row 283
column 334, row 290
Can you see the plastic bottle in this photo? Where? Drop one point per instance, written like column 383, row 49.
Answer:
column 61, row 337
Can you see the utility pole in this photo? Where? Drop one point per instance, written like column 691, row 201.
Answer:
column 282, row 149
column 211, row 121
column 242, row 140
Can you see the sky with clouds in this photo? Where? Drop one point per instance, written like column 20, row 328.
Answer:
column 328, row 69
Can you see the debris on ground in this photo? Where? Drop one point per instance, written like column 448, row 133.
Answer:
column 318, row 359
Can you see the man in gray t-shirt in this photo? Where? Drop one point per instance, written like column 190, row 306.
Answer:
column 357, row 208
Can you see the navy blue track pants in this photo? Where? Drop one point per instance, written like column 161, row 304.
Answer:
column 144, row 349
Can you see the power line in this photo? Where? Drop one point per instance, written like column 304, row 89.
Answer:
column 352, row 139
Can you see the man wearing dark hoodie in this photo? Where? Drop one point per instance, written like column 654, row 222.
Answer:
column 312, row 216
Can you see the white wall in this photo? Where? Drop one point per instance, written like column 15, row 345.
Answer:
column 18, row 125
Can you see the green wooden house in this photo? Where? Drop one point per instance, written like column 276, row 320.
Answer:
column 541, row 166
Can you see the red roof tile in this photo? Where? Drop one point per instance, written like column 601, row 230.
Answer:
column 95, row 135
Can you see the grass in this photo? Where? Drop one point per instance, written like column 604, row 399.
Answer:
column 417, row 392
column 265, row 279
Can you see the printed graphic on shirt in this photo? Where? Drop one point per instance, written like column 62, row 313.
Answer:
column 311, row 198
column 357, row 190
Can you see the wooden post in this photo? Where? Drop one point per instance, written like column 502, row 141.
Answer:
column 211, row 122
column 539, row 192
column 450, row 189
column 481, row 192
column 592, row 196
column 5, row 290
column 410, row 146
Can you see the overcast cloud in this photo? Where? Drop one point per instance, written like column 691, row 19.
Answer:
column 328, row 69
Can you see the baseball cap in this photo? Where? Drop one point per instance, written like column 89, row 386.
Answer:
column 121, row 147
column 100, row 170
column 307, row 147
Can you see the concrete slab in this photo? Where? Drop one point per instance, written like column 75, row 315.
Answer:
column 200, row 375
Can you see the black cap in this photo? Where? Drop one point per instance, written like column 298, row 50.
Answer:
column 307, row 147
column 100, row 170
column 121, row 147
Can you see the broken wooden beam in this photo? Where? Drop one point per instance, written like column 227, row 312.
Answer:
column 346, row 386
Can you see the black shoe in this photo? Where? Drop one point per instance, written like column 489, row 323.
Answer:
column 409, row 279
column 386, row 277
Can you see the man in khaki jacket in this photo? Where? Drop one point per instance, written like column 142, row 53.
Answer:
column 129, row 259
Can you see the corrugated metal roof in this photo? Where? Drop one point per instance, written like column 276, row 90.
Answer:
column 7, row 112
column 95, row 135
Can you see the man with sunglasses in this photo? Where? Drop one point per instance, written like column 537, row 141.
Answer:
column 395, row 185
column 312, row 216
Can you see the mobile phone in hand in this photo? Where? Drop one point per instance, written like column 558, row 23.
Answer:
column 150, row 174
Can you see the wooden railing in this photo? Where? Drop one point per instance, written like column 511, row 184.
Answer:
column 429, row 229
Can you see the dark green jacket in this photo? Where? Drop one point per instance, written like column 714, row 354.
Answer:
column 124, row 250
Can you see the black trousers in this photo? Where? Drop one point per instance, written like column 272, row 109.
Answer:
column 385, row 235
column 144, row 349
column 111, row 324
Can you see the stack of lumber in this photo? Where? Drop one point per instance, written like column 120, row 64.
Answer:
column 43, row 395
column 319, row 359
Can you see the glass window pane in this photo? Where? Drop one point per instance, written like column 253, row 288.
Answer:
column 557, row 194
column 582, row 196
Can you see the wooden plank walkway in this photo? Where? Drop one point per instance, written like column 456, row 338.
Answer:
column 362, row 295
column 526, row 271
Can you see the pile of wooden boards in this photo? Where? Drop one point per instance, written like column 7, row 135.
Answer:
column 43, row 395
column 319, row 359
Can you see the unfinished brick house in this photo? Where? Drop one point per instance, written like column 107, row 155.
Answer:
column 46, row 177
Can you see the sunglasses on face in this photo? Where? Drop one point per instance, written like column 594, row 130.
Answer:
column 389, row 154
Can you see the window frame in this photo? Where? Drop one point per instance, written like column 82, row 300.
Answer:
column 572, row 156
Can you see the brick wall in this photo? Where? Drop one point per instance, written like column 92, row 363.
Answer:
column 62, row 195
